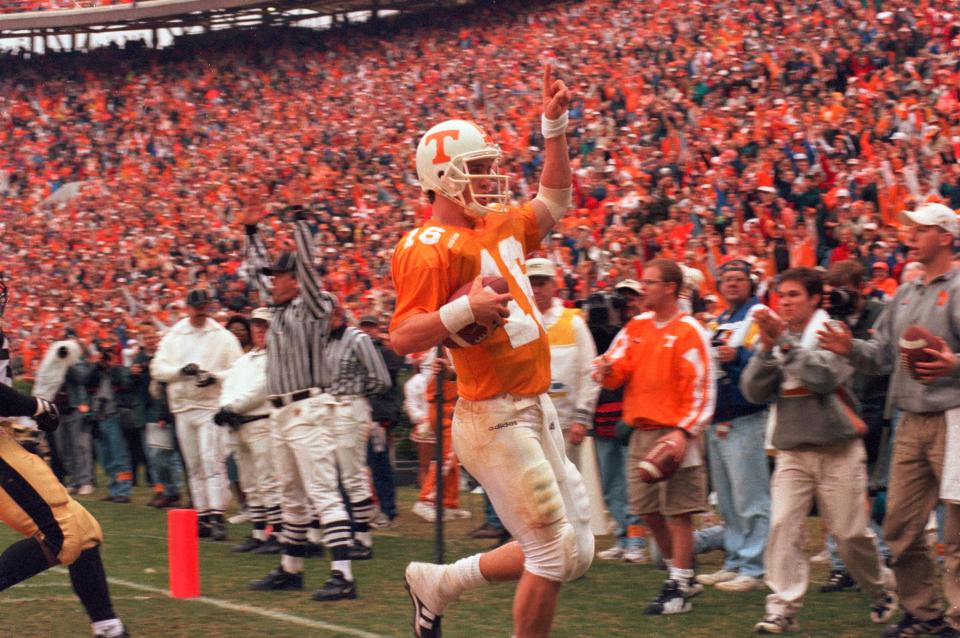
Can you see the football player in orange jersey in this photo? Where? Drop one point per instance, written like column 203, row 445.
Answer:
column 505, row 429
column 663, row 359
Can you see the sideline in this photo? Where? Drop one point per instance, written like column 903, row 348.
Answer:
column 245, row 609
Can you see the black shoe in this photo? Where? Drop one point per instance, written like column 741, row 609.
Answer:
column 204, row 529
column 486, row 531
column 121, row 499
column 270, row 546
column 107, row 498
column 125, row 634
column 840, row 580
column 314, row 550
column 169, row 501
column 359, row 551
column 248, row 545
column 277, row 580
column 337, row 588
column 910, row 626
column 672, row 600
column 218, row 530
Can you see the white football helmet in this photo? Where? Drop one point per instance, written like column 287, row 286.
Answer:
column 444, row 156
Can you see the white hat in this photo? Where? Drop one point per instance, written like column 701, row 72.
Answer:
column 843, row 192
column 540, row 267
column 630, row 284
column 767, row 189
column 899, row 135
column 932, row 214
column 261, row 314
column 870, row 226
column 692, row 278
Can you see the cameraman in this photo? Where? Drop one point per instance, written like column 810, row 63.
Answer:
column 107, row 381
column 845, row 287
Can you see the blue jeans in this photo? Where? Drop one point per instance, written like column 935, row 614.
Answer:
column 114, row 456
column 165, row 466
column 741, row 479
column 611, row 458
column 378, row 458
column 490, row 516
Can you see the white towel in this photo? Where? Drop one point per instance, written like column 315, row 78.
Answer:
column 950, row 480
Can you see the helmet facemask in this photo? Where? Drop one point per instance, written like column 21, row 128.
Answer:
column 459, row 179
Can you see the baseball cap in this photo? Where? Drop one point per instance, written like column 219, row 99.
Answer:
column 932, row 214
column 286, row 262
column 767, row 189
column 736, row 265
column 261, row 314
column 540, row 267
column 198, row 297
column 630, row 284
column 880, row 265
column 369, row 320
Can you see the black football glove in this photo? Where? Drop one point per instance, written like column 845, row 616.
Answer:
column 205, row 379
column 47, row 416
column 190, row 370
column 226, row 418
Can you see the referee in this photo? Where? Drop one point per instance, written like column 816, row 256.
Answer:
column 357, row 371
column 296, row 378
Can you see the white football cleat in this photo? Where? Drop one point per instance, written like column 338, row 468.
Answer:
column 422, row 581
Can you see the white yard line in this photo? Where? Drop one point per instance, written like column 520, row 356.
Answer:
column 246, row 609
column 67, row 599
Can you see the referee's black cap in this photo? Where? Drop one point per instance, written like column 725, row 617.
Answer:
column 286, row 262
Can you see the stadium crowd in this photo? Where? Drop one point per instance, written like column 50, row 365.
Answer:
column 775, row 136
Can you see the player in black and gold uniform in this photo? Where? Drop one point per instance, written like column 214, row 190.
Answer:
column 33, row 502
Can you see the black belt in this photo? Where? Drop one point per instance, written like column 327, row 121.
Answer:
column 250, row 418
column 287, row 399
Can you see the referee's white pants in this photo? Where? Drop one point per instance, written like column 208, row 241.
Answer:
column 202, row 444
column 350, row 419
column 514, row 446
column 305, row 452
column 253, row 451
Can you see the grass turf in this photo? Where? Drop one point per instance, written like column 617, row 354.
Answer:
column 609, row 601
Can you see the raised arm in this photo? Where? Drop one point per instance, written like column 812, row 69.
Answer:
column 553, row 198
column 378, row 377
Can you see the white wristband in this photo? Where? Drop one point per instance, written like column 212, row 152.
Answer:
column 554, row 128
column 456, row 315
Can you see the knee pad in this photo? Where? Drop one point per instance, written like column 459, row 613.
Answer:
column 80, row 530
column 560, row 555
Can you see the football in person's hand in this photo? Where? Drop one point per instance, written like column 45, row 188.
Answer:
column 475, row 333
column 914, row 340
column 659, row 463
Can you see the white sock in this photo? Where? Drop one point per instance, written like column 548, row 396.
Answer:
column 681, row 575
column 111, row 628
column 365, row 537
column 291, row 564
column 342, row 566
column 467, row 571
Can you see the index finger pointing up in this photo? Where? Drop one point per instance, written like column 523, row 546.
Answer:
column 547, row 77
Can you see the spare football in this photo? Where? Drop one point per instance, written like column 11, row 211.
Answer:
column 912, row 343
column 659, row 463
column 475, row 333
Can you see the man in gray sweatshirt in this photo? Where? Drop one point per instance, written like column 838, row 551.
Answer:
column 820, row 453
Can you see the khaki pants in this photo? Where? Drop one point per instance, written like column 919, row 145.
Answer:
column 836, row 476
column 913, row 492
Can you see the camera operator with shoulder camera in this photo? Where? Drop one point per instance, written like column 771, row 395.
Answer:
column 844, row 290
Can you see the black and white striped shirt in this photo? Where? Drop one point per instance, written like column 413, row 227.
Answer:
column 355, row 364
column 299, row 329
column 6, row 366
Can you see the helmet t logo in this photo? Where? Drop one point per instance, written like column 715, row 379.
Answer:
column 440, row 137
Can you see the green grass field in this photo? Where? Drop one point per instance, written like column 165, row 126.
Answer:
column 607, row 602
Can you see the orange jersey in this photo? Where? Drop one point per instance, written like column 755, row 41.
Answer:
column 668, row 372
column 434, row 261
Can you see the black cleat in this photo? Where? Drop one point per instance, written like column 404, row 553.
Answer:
column 218, row 531
column 248, row 545
column 337, row 588
column 840, row 580
column 277, row 580
column 270, row 546
column 359, row 551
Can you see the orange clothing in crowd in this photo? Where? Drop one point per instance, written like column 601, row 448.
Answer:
column 667, row 371
column 451, row 468
column 435, row 260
